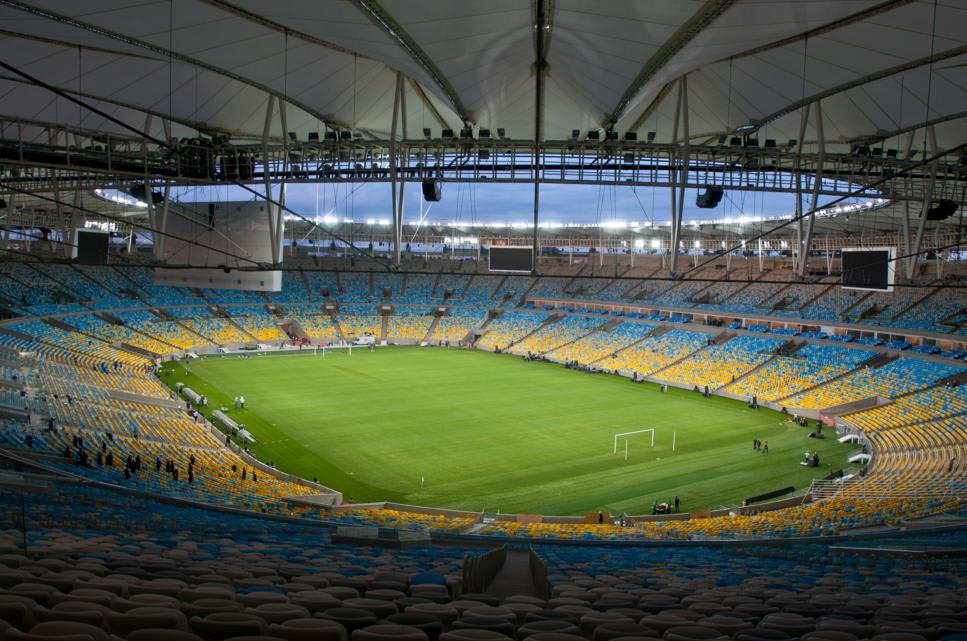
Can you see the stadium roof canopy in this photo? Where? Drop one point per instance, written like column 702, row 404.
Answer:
column 860, row 91
column 881, row 68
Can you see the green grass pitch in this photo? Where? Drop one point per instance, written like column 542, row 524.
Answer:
column 493, row 432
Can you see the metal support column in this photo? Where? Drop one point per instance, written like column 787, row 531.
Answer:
column 398, row 229
column 278, row 239
column 394, row 167
column 797, row 168
column 678, row 208
column 161, row 220
column 913, row 253
column 817, row 185
column 271, row 210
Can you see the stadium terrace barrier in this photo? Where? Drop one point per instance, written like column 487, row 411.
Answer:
column 538, row 569
column 432, row 511
column 132, row 397
column 134, row 349
column 479, row 571
column 855, row 406
column 768, row 495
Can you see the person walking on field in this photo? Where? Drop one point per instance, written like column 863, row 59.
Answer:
column 765, row 447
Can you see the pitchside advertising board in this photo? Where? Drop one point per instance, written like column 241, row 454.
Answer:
column 869, row 268
column 213, row 240
column 516, row 260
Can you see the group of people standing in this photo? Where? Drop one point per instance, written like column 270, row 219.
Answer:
column 761, row 446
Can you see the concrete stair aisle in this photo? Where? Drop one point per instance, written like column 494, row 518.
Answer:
column 500, row 283
column 335, row 323
column 718, row 339
column 62, row 288
column 658, row 331
column 134, row 289
column 431, row 328
column 804, row 306
column 552, row 319
column 933, row 292
column 384, row 328
column 844, row 315
column 174, row 319
column 305, row 281
column 84, row 276
column 605, row 327
column 116, row 321
column 776, row 300
column 568, row 286
column 293, row 330
column 436, row 284
column 466, row 287
column 514, row 578
column 523, row 297
column 223, row 313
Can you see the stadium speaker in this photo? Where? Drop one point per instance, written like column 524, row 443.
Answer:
column 432, row 191
column 944, row 210
column 710, row 198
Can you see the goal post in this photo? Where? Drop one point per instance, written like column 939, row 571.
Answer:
column 633, row 432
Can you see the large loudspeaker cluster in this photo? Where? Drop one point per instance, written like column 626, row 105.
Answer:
column 944, row 210
column 710, row 198
column 432, row 191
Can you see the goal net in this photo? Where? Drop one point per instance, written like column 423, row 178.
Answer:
column 625, row 436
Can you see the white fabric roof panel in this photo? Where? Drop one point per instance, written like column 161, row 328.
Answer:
column 485, row 52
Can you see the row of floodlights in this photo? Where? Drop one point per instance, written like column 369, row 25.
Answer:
column 594, row 135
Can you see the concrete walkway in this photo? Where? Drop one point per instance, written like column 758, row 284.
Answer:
column 515, row 577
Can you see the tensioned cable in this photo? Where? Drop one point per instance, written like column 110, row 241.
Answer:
column 172, row 149
column 117, row 219
column 853, row 194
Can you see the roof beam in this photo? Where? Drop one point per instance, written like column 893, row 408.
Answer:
column 195, row 62
column 385, row 22
column 707, row 14
column 262, row 21
column 191, row 124
column 652, row 106
column 852, row 84
column 884, row 135
column 418, row 90
column 540, row 13
column 845, row 21
column 75, row 45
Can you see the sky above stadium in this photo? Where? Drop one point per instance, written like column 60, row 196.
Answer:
column 466, row 204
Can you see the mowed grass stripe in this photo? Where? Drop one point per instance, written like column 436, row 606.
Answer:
column 495, row 432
